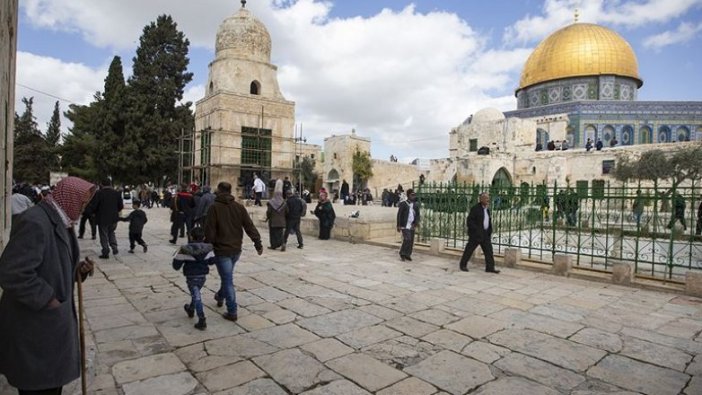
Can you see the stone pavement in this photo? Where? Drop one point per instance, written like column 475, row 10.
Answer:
column 341, row 318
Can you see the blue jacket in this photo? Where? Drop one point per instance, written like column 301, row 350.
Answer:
column 194, row 258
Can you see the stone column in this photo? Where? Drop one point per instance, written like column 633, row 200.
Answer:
column 437, row 246
column 513, row 257
column 693, row 284
column 622, row 273
column 562, row 264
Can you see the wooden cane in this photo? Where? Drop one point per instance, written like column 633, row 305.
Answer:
column 81, row 332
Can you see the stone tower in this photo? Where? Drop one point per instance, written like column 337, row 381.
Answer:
column 243, row 125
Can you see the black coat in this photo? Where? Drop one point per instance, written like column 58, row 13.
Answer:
column 38, row 345
column 106, row 206
column 403, row 214
column 137, row 219
column 474, row 222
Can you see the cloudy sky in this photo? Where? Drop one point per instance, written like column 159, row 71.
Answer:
column 400, row 72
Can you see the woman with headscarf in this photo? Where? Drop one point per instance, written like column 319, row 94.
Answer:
column 275, row 215
column 39, row 345
column 325, row 212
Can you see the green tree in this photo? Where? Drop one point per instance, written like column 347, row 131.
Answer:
column 53, row 138
column 307, row 173
column 31, row 152
column 362, row 168
column 155, row 117
column 80, row 147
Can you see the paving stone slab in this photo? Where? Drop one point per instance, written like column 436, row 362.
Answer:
column 655, row 353
column 326, row 349
column 448, row 339
column 402, row 351
column 125, row 333
column 435, row 316
column 242, row 346
column 338, row 387
column 484, row 351
column 366, row 371
column 411, row 327
column 253, row 322
column 303, row 307
column 180, row 332
column 173, row 384
column 599, row 339
column 452, row 372
column 366, row 336
column 338, row 322
column 520, row 319
column 477, row 326
column 411, row 385
column 230, row 376
column 694, row 387
column 284, row 336
column 147, row 367
column 542, row 372
column 256, row 387
column 560, row 352
column 381, row 312
column 695, row 368
column 294, row 370
column 280, row 316
column 514, row 385
column 638, row 376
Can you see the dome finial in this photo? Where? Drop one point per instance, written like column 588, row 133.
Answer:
column 243, row 3
column 575, row 17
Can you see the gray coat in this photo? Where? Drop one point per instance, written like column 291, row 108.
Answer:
column 39, row 347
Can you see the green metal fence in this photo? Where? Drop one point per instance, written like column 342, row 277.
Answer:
column 597, row 223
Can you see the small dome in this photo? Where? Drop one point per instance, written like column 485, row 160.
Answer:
column 489, row 114
column 580, row 49
column 243, row 36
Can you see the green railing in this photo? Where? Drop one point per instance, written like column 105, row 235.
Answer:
column 593, row 221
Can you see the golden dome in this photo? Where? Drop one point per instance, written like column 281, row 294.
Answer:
column 580, row 49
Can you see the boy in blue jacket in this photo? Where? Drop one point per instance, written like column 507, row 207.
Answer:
column 195, row 258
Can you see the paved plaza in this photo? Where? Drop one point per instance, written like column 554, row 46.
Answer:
column 343, row 318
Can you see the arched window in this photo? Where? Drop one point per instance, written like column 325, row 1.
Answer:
column 542, row 137
column 627, row 135
column 211, row 87
column 664, row 134
column 645, row 135
column 607, row 134
column 590, row 132
column 255, row 88
column 683, row 133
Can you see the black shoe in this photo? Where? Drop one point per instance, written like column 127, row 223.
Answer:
column 189, row 310
column 201, row 324
column 402, row 258
column 272, row 248
column 463, row 269
column 80, row 237
column 131, row 251
column 115, row 252
column 219, row 299
column 92, row 238
column 300, row 246
column 145, row 248
column 104, row 256
column 172, row 241
column 492, row 271
column 282, row 248
column 409, row 258
column 182, row 235
column 230, row 317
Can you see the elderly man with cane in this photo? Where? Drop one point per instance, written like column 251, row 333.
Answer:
column 39, row 337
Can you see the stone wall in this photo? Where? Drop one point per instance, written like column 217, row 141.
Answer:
column 338, row 159
column 388, row 174
column 8, row 57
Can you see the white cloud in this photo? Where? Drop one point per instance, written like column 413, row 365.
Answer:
column 630, row 14
column 72, row 82
column 685, row 32
column 396, row 77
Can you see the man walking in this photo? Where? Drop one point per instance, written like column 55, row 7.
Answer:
column 479, row 232
column 258, row 186
column 224, row 229
column 297, row 208
column 407, row 222
column 106, row 206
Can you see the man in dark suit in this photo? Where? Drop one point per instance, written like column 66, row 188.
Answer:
column 407, row 222
column 479, row 232
column 106, row 207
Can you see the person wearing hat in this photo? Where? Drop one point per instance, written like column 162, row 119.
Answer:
column 407, row 222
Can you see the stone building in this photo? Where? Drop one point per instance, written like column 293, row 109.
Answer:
column 8, row 58
column 243, row 125
column 580, row 83
column 338, row 159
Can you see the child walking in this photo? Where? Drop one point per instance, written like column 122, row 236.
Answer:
column 195, row 258
column 137, row 219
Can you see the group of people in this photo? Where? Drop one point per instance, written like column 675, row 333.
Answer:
column 478, row 223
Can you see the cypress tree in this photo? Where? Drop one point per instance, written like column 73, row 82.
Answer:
column 30, row 162
column 53, row 137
